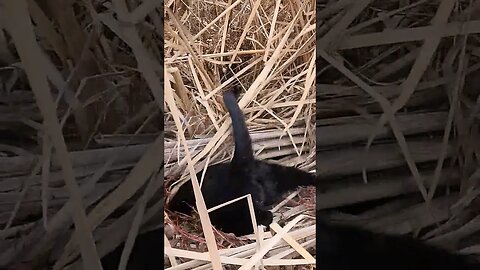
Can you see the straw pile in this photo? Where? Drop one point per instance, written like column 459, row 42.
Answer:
column 271, row 46
column 398, row 118
column 69, row 72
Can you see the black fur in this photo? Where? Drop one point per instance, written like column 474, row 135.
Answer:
column 341, row 247
column 266, row 182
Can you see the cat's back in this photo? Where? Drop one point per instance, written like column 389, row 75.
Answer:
column 276, row 179
column 216, row 177
column 213, row 182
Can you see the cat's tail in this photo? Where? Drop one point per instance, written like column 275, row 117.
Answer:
column 243, row 142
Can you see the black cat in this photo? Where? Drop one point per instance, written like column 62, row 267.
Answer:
column 266, row 182
column 341, row 247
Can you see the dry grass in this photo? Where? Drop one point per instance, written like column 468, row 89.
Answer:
column 397, row 118
column 271, row 46
column 70, row 74
column 81, row 113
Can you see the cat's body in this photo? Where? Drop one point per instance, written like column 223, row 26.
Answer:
column 266, row 182
column 341, row 247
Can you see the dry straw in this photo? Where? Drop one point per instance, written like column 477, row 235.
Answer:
column 397, row 122
column 396, row 97
column 272, row 44
column 74, row 57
